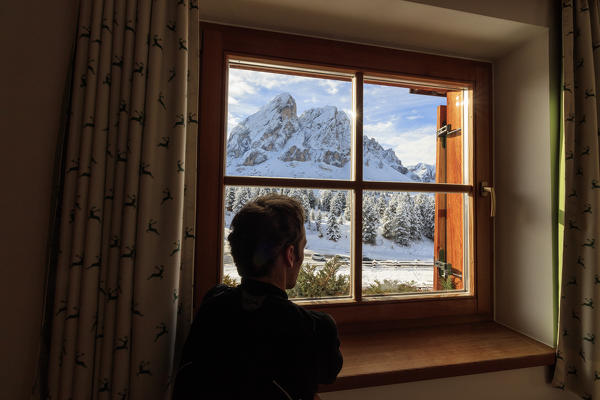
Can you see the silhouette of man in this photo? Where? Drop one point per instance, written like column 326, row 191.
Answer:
column 251, row 342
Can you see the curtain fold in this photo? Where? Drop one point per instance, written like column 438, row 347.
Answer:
column 123, row 293
column 578, row 357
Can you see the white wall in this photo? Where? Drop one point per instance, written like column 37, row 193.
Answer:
column 523, row 270
column 534, row 12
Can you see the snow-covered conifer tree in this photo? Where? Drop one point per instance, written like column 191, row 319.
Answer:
column 337, row 204
column 388, row 219
column 294, row 193
column 401, row 224
column 303, row 199
column 318, row 224
column 370, row 221
column 253, row 192
column 325, row 199
column 264, row 191
column 242, row 196
column 413, row 216
column 381, row 205
column 306, row 205
column 333, row 228
column 343, row 195
column 426, row 205
column 229, row 198
column 311, row 198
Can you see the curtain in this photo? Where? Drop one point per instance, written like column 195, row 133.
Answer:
column 123, row 291
column 578, row 353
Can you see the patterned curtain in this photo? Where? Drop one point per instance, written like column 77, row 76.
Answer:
column 578, row 354
column 123, row 294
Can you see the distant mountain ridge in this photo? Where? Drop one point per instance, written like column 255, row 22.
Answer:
column 274, row 141
column 425, row 172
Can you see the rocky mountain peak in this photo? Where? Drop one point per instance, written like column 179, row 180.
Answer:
column 326, row 131
column 423, row 172
column 283, row 105
column 269, row 129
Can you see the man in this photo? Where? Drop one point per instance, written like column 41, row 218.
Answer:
column 251, row 342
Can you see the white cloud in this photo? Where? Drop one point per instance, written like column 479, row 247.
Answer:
column 233, row 100
column 416, row 146
column 243, row 109
column 248, row 81
column 258, row 88
column 240, row 88
column 232, row 122
column 379, row 129
column 413, row 117
column 331, row 86
column 411, row 147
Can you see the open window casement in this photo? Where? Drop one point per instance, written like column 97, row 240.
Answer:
column 449, row 207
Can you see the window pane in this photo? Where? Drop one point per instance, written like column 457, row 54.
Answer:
column 402, row 137
column 282, row 125
column 326, row 267
column 405, row 235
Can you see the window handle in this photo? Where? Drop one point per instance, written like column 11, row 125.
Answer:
column 484, row 190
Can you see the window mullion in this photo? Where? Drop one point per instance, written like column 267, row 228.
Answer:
column 358, row 178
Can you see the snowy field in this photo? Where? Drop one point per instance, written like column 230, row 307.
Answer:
column 386, row 259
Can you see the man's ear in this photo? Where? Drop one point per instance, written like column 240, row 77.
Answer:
column 290, row 256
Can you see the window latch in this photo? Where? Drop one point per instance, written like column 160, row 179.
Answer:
column 445, row 269
column 444, row 131
column 484, row 190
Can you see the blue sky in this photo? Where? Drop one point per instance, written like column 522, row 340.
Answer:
column 395, row 118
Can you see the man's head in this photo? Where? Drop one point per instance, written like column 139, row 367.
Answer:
column 266, row 231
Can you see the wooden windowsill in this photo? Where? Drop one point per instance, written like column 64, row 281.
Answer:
column 395, row 356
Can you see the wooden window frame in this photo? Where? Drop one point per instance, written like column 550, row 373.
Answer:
column 221, row 42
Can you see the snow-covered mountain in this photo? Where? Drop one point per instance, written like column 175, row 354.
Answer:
column 424, row 172
column 276, row 142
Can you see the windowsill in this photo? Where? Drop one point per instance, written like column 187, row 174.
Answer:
column 396, row 356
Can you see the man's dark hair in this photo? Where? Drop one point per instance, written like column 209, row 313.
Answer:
column 261, row 230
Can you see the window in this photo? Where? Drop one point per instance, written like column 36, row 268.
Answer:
column 400, row 239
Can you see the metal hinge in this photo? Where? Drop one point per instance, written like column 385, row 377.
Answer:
column 444, row 131
column 445, row 269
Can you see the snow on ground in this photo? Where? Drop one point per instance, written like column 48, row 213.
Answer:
column 275, row 167
column 421, row 253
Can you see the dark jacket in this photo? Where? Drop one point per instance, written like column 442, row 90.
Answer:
column 251, row 342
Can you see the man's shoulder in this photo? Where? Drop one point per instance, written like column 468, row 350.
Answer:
column 311, row 315
column 321, row 318
column 218, row 292
column 221, row 298
column 226, row 297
